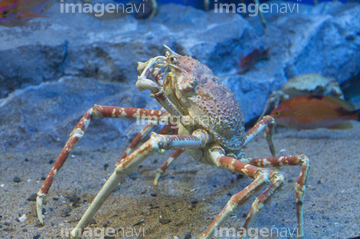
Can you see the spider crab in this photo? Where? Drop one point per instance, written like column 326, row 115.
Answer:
column 188, row 89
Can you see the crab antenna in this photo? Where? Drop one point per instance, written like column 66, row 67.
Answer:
column 172, row 53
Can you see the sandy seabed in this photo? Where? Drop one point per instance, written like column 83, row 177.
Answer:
column 189, row 195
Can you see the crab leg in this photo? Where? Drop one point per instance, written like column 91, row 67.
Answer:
column 299, row 185
column 260, row 176
column 76, row 135
column 163, row 168
column 136, row 141
column 267, row 123
column 156, row 143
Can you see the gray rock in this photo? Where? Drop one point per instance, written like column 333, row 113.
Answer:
column 323, row 39
column 61, row 66
column 46, row 114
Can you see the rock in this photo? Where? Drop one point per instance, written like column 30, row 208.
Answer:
column 32, row 197
column 315, row 40
column 17, row 180
column 65, row 69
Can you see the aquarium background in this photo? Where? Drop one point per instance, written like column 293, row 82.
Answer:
column 58, row 67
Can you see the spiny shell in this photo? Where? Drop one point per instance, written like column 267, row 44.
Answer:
column 213, row 105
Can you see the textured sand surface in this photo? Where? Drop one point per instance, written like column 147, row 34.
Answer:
column 189, row 194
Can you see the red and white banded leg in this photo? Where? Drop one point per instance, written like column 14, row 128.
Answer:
column 163, row 168
column 137, row 140
column 156, row 143
column 267, row 123
column 300, row 184
column 260, row 176
column 76, row 135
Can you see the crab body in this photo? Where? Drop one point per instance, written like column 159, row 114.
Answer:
column 205, row 103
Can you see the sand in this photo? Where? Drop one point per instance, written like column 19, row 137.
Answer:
column 189, row 195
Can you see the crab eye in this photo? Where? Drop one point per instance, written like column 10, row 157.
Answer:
column 173, row 60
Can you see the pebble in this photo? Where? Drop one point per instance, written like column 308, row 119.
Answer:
column 66, row 212
column 32, row 197
column 106, row 166
column 194, row 201
column 36, row 237
column 17, row 180
column 153, row 194
column 43, row 178
column 139, row 223
column 319, row 181
column 187, row 236
column 26, row 160
column 51, row 161
column 74, row 198
column 7, row 223
column 164, row 220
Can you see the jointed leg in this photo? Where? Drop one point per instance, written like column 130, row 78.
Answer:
column 157, row 143
column 163, row 168
column 76, row 135
column 260, row 176
column 137, row 140
column 300, row 184
column 267, row 123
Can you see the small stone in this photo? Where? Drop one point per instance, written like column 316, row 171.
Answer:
column 143, row 191
column 26, row 160
column 244, row 215
column 290, row 180
column 164, row 220
column 66, row 212
column 106, row 166
column 36, row 237
column 43, row 178
column 347, row 221
column 92, row 221
column 32, row 197
column 73, row 198
column 55, row 198
column 17, row 180
column 51, row 161
column 153, row 194
column 187, row 236
column 193, row 201
column 138, row 223
column 229, row 194
column 7, row 223
column 319, row 181
column 24, row 230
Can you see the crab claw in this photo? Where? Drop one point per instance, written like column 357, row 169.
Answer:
column 39, row 203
